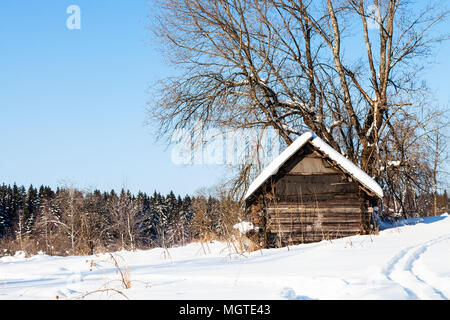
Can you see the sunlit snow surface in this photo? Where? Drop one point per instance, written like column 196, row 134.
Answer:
column 407, row 262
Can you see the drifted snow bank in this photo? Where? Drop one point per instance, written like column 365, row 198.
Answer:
column 408, row 262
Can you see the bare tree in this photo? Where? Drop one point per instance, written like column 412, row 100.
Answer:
column 126, row 216
column 70, row 203
column 20, row 229
column 439, row 156
column 294, row 65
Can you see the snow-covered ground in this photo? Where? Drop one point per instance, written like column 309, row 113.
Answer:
column 407, row 262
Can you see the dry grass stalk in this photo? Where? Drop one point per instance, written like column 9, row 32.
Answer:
column 107, row 290
column 124, row 273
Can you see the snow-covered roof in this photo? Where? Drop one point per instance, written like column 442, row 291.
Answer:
column 321, row 145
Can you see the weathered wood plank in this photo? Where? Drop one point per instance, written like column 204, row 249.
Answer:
column 314, row 184
column 293, row 239
column 324, row 224
column 351, row 202
column 323, row 235
column 313, row 164
column 304, row 210
column 313, row 220
column 316, row 197
column 314, row 214
column 312, row 230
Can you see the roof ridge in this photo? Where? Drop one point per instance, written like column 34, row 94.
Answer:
column 347, row 165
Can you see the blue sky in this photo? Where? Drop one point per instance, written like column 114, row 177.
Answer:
column 72, row 102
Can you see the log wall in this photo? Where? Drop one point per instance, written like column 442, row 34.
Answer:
column 310, row 203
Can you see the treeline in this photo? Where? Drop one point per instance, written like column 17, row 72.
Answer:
column 415, row 204
column 72, row 222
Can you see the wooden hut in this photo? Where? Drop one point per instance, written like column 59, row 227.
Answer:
column 309, row 193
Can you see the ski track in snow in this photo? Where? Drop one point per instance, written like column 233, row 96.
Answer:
column 400, row 269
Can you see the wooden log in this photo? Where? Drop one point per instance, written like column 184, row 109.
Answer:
column 314, row 184
column 339, row 216
column 294, row 239
column 317, row 198
column 316, row 225
column 354, row 223
column 316, row 235
column 324, row 222
column 311, row 230
column 299, row 210
column 317, row 204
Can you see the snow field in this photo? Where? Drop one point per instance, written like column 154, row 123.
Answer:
column 407, row 262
